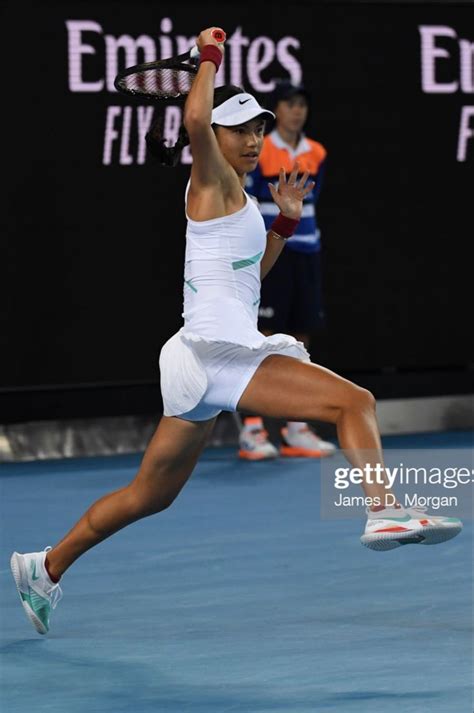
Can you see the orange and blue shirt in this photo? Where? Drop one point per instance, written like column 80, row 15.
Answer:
column 275, row 154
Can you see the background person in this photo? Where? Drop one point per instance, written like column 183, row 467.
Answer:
column 291, row 297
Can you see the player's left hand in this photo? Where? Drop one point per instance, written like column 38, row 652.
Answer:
column 289, row 194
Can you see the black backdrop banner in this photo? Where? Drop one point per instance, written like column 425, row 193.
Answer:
column 93, row 232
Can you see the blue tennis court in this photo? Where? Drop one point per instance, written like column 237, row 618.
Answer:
column 238, row 598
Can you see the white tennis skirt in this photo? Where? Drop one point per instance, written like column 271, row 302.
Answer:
column 201, row 377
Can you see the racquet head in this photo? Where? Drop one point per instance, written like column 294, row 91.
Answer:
column 165, row 79
column 170, row 78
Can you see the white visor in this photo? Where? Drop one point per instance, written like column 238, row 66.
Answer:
column 239, row 109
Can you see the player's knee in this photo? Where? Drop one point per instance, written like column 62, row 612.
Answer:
column 360, row 399
column 155, row 506
column 366, row 400
column 165, row 502
column 144, row 503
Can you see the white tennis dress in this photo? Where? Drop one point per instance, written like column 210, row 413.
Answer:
column 206, row 366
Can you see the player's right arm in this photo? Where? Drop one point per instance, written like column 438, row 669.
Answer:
column 209, row 166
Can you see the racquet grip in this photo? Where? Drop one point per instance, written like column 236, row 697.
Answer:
column 219, row 35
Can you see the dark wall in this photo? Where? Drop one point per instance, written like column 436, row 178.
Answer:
column 93, row 251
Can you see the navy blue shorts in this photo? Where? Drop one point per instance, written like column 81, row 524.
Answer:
column 291, row 297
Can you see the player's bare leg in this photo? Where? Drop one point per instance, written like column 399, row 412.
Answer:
column 283, row 387
column 166, row 466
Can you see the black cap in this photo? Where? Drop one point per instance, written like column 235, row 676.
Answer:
column 285, row 90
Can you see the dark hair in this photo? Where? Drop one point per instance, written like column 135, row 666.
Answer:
column 221, row 94
column 285, row 90
column 170, row 155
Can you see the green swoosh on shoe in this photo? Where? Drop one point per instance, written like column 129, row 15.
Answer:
column 34, row 577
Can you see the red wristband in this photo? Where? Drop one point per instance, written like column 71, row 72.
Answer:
column 211, row 53
column 284, row 226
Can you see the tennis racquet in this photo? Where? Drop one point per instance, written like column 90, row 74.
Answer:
column 170, row 78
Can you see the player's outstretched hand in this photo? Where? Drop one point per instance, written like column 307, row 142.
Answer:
column 289, row 194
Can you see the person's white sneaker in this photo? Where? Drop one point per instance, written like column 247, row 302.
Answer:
column 304, row 443
column 391, row 528
column 254, row 443
column 37, row 592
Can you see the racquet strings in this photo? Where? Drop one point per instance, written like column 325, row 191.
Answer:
column 159, row 82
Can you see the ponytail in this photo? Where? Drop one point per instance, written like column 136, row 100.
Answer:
column 156, row 145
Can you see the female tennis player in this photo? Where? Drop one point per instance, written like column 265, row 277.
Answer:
column 219, row 360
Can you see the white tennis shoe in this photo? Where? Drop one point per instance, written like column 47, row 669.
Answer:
column 38, row 594
column 254, row 444
column 304, row 443
column 391, row 528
